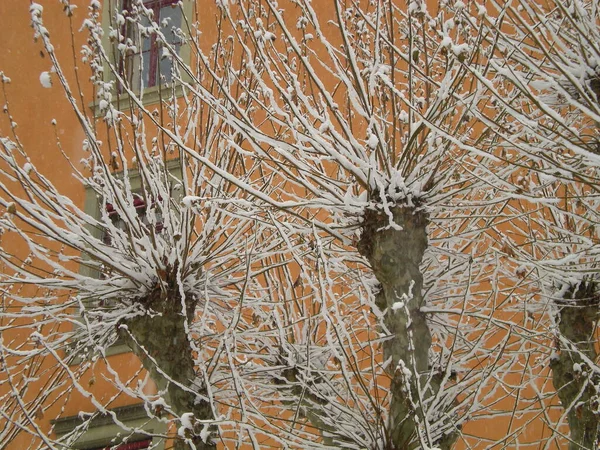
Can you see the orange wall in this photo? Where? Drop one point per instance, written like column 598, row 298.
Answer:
column 34, row 107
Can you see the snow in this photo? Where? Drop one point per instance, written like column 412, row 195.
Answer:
column 205, row 433
column 46, row 80
column 325, row 126
column 190, row 200
column 186, row 422
column 460, row 49
column 36, row 8
column 397, row 305
column 405, row 370
column 404, row 298
column 260, row 216
column 187, row 427
column 158, row 403
column 372, row 142
column 416, row 7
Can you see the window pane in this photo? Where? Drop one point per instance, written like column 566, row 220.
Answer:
column 165, row 70
column 146, row 57
column 148, row 67
column 146, row 40
column 170, row 19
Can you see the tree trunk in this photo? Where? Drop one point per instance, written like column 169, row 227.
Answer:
column 161, row 336
column 395, row 257
column 575, row 382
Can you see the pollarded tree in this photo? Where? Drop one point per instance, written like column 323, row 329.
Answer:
column 366, row 111
column 544, row 75
column 297, row 241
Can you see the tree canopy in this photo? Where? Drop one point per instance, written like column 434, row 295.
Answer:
column 347, row 224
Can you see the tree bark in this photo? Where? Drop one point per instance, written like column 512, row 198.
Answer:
column 395, row 257
column 161, row 342
column 575, row 382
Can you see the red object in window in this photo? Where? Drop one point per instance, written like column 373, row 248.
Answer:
column 139, row 445
column 140, row 205
column 138, row 202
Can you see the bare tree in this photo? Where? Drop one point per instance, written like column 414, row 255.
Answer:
column 339, row 227
column 543, row 73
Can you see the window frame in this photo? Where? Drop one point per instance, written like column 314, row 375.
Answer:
column 102, row 429
column 151, row 94
column 154, row 57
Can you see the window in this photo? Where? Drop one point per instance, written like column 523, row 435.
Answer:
column 102, row 433
column 138, row 54
column 142, row 212
column 93, row 206
column 146, row 63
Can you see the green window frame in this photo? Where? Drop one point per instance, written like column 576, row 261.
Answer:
column 102, row 432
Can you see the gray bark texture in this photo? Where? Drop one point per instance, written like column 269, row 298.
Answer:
column 310, row 406
column 395, row 257
column 161, row 336
column 575, row 382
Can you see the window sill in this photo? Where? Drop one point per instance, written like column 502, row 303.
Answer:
column 102, row 429
column 150, row 96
